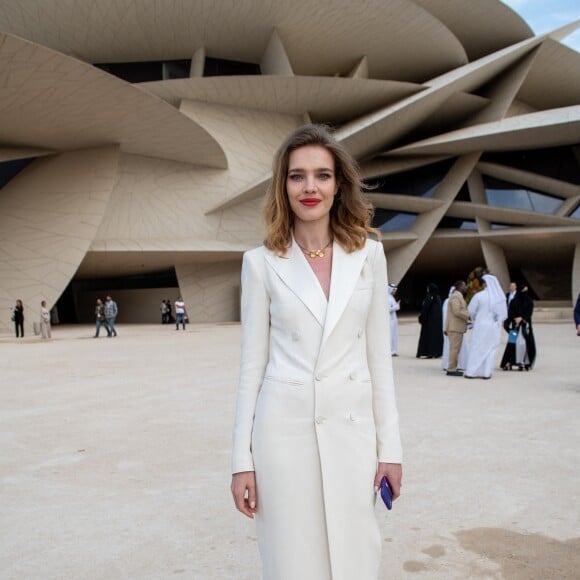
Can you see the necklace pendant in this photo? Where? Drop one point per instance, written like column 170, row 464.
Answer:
column 320, row 253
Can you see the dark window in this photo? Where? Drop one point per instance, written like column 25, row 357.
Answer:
column 504, row 194
column 215, row 67
column 495, row 226
column 142, row 72
column 457, row 223
column 556, row 162
column 164, row 279
column 576, row 213
column 176, row 69
column 10, row 169
column 420, row 182
column 393, row 221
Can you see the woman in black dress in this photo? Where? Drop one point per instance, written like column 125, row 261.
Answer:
column 18, row 314
column 519, row 320
column 431, row 320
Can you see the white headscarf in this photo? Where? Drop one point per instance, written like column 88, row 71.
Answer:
column 496, row 297
column 451, row 290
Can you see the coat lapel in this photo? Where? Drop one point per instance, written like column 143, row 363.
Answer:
column 297, row 275
column 346, row 269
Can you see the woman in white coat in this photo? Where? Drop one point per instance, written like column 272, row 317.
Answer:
column 316, row 423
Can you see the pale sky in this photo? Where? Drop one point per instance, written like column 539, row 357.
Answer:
column 547, row 15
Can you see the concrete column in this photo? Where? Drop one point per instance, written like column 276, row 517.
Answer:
column 503, row 92
column 496, row 262
column 401, row 259
column 275, row 59
column 361, row 69
column 197, row 63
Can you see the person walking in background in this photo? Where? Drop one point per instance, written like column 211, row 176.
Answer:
column 520, row 350
column 511, row 294
column 163, row 309
column 394, row 307
column 18, row 318
column 431, row 320
column 101, row 318
column 179, row 313
column 44, row 321
column 169, row 319
column 456, row 321
column 487, row 310
column 111, row 312
column 577, row 315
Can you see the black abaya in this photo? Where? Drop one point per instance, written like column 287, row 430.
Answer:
column 431, row 320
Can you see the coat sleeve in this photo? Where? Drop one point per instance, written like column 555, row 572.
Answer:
column 381, row 366
column 255, row 312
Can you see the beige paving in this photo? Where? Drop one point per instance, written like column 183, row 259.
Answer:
column 115, row 461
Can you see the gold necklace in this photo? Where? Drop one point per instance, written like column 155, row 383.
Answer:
column 315, row 253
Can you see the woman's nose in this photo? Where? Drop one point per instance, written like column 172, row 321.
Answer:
column 309, row 183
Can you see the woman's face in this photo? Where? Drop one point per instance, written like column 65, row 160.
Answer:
column 311, row 183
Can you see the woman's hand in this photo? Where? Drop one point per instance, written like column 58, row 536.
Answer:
column 394, row 474
column 244, row 492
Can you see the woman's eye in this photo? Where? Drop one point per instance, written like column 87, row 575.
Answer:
column 324, row 176
column 296, row 177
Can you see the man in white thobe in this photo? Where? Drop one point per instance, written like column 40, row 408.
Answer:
column 487, row 310
column 394, row 307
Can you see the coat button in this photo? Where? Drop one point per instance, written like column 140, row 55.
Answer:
column 360, row 332
column 352, row 376
column 295, row 335
column 318, row 377
column 319, row 420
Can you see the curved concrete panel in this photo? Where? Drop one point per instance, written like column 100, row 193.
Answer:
column 326, row 99
column 541, row 129
column 125, row 31
column 52, row 101
column 49, row 215
column 482, row 27
column 556, row 66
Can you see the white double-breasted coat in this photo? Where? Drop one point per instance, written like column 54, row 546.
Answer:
column 316, row 410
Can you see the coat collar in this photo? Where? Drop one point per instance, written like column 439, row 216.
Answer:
column 294, row 270
column 346, row 269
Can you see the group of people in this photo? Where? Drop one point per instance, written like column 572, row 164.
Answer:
column 444, row 328
column 17, row 317
column 181, row 316
column 166, row 309
column 106, row 315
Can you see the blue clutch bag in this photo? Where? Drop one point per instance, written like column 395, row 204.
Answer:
column 386, row 493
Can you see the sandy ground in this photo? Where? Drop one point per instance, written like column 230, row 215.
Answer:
column 115, row 461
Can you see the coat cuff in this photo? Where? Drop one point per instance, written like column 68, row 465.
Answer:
column 244, row 463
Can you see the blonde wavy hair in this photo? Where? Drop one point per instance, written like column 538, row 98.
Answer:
column 350, row 215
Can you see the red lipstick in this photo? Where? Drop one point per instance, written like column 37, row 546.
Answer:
column 310, row 201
